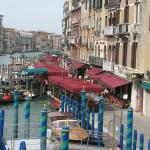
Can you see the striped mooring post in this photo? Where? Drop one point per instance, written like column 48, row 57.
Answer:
column 134, row 139
column 22, row 146
column 65, row 138
column 27, row 117
column 66, row 102
column 141, row 142
column 82, row 115
column 77, row 110
column 43, row 140
column 16, row 99
column 101, row 117
column 73, row 110
column 149, row 145
column 68, row 109
column 129, row 129
column 62, row 98
column 88, row 119
column 93, row 125
column 2, row 115
column 83, row 106
column 99, row 130
column 83, row 98
column 121, row 136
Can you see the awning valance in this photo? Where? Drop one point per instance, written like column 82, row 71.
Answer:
column 94, row 71
column 35, row 71
column 112, row 81
column 145, row 85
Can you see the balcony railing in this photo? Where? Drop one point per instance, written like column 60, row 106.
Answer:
column 122, row 29
column 109, row 31
column 111, row 3
column 96, row 61
column 125, row 72
column 75, row 21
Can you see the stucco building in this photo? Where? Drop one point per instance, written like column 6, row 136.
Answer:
column 115, row 37
column 1, row 33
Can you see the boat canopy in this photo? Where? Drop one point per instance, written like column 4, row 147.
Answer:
column 35, row 71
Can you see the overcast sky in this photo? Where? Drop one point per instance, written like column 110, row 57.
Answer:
column 44, row 15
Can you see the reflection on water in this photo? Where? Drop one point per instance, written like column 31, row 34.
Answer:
column 36, row 107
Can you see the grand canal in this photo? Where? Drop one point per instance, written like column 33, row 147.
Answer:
column 36, row 107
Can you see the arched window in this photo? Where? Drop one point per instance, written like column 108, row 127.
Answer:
column 126, row 13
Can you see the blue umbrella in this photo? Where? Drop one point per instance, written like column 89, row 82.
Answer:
column 22, row 146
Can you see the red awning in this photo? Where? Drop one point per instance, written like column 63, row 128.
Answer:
column 112, row 81
column 75, row 86
column 57, row 71
column 55, row 79
column 77, row 65
column 53, row 70
column 94, row 71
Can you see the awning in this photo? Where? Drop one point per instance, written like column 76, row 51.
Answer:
column 75, row 86
column 36, row 71
column 55, row 79
column 57, row 71
column 94, row 71
column 77, row 65
column 145, row 85
column 112, row 81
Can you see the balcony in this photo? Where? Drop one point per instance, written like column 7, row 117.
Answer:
column 109, row 31
column 122, row 29
column 96, row 61
column 126, row 72
column 75, row 21
column 73, row 42
column 111, row 3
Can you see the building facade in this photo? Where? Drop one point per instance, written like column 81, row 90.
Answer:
column 75, row 15
column 8, row 40
column 26, row 41
column 66, row 27
column 115, row 37
column 1, row 33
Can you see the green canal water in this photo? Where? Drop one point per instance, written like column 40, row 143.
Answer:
column 36, row 107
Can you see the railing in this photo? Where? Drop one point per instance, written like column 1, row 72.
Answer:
column 122, row 29
column 110, row 30
column 96, row 60
column 111, row 3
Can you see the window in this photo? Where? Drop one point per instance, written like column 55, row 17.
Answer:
column 106, row 20
column 124, row 60
column 100, row 23
column 90, row 4
column 101, row 3
column 117, row 53
column 85, row 5
column 110, row 19
column 117, row 16
column 114, row 19
column 133, row 55
column 94, row 4
column 105, row 52
column 109, row 53
column 126, row 13
column 113, row 53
